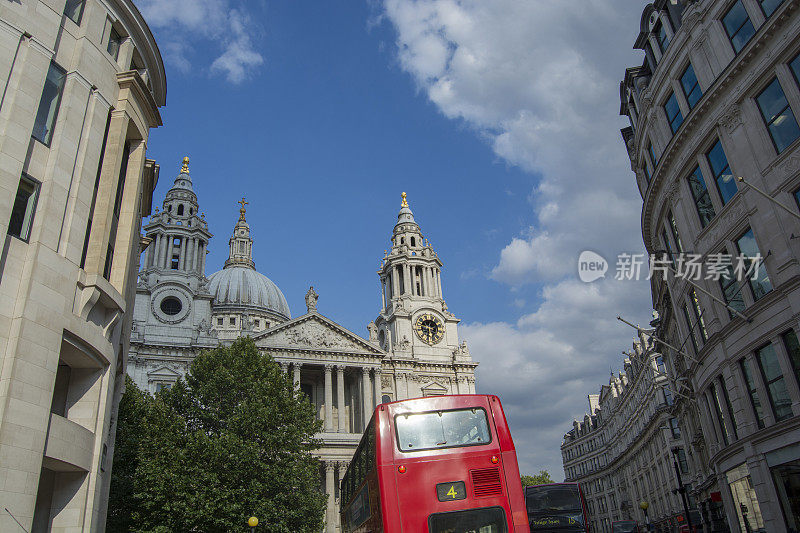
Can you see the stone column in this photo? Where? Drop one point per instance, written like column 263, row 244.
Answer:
column 439, row 282
column 203, row 259
column 378, row 386
column 296, row 376
column 330, row 522
column 366, row 394
column 154, row 251
column 182, row 260
column 328, row 399
column 340, row 399
column 413, row 269
column 406, row 279
column 167, row 251
column 395, row 283
column 191, row 253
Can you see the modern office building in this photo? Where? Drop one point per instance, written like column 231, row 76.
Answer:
column 715, row 99
column 629, row 449
column 83, row 81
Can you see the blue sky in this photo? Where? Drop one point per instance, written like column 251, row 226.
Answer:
column 497, row 117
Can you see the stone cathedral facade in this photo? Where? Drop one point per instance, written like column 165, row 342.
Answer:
column 412, row 347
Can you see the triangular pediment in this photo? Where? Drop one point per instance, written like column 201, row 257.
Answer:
column 315, row 332
column 434, row 389
column 163, row 372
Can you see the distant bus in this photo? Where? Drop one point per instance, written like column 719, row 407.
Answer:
column 556, row 508
column 625, row 526
column 442, row 464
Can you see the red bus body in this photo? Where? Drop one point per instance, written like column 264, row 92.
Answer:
column 556, row 508
column 409, row 491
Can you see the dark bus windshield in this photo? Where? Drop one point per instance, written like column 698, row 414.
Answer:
column 553, row 498
column 442, row 429
column 624, row 526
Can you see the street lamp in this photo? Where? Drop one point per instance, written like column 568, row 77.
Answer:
column 643, row 506
column 252, row 522
column 681, row 487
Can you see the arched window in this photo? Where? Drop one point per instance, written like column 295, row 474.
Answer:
column 386, row 398
column 169, row 208
column 180, row 210
column 413, row 241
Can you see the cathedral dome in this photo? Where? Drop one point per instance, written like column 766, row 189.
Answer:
column 243, row 287
column 238, row 286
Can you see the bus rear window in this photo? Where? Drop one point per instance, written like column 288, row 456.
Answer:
column 442, row 429
column 488, row 520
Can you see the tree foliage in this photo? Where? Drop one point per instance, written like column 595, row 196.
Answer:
column 539, row 479
column 231, row 441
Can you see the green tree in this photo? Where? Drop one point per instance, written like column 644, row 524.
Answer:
column 539, row 479
column 132, row 409
column 231, row 441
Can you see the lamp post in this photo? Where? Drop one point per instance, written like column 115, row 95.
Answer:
column 643, row 506
column 252, row 522
column 681, row 488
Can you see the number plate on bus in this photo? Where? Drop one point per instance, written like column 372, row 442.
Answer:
column 454, row 490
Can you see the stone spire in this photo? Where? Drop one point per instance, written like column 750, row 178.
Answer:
column 407, row 232
column 241, row 245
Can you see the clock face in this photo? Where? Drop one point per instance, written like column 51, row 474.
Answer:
column 429, row 328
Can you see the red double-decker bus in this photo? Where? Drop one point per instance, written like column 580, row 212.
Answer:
column 443, row 464
column 556, row 508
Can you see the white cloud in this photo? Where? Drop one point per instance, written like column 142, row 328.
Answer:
column 189, row 22
column 538, row 80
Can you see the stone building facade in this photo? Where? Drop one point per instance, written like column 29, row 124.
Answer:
column 411, row 349
column 717, row 98
column 83, row 81
column 628, row 446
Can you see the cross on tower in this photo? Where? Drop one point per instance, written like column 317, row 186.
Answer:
column 243, row 202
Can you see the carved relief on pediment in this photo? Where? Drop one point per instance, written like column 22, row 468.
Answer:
column 315, row 335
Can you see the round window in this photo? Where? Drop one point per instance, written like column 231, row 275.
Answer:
column 171, row 306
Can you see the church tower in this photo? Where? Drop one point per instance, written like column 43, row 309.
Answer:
column 415, row 325
column 172, row 313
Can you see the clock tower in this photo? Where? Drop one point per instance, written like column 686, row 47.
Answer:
column 415, row 326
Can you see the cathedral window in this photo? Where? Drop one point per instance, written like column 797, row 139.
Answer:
column 256, row 323
column 233, row 321
column 175, row 262
column 171, row 306
column 220, row 321
column 180, row 209
column 413, row 242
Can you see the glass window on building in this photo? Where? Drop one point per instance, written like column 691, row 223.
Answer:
column 668, row 248
column 778, row 116
column 723, row 177
column 720, row 412
column 673, row 226
column 24, row 208
column 674, row 116
column 738, row 26
column 691, row 88
column 731, row 290
column 794, row 65
column 729, row 407
column 744, row 499
column 702, row 200
column 74, row 10
column 660, row 31
column 652, row 153
column 683, row 465
column 776, row 385
column 787, row 485
column 692, row 327
column 793, row 350
column 769, row 6
column 675, row 428
column 755, row 401
column 698, row 313
column 48, row 106
column 758, row 279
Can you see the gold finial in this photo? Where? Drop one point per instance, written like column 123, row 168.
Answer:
column 185, row 167
column 243, row 202
column 405, row 203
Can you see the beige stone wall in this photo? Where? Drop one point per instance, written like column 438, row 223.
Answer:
column 64, row 328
